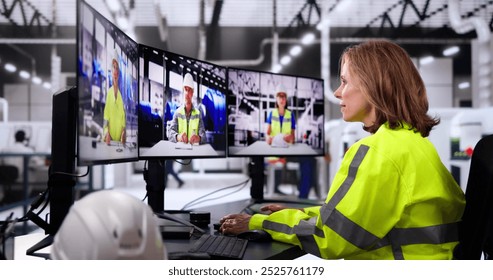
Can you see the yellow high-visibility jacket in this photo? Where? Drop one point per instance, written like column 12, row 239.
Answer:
column 188, row 126
column 276, row 127
column 392, row 198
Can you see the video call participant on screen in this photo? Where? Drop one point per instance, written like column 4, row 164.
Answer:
column 281, row 120
column 114, row 110
column 392, row 197
column 187, row 125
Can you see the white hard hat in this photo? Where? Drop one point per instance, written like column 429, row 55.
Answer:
column 281, row 88
column 108, row 225
column 188, row 81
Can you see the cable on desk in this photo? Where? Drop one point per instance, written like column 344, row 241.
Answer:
column 197, row 200
column 35, row 204
column 183, row 162
column 71, row 174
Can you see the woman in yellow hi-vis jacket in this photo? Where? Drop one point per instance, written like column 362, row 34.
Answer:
column 392, row 197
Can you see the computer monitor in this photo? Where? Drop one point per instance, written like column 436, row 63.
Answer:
column 252, row 106
column 162, row 119
column 83, row 125
column 107, row 83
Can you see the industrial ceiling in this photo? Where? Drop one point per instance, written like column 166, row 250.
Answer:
column 424, row 20
column 342, row 13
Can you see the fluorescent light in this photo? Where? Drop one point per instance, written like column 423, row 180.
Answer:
column 426, row 60
column 308, row 39
column 295, row 51
column 451, row 51
column 322, row 24
column 344, row 6
column 122, row 22
column 113, row 5
column 285, row 60
column 10, row 67
column 277, row 68
column 24, row 74
column 46, row 85
column 464, row 85
column 37, row 80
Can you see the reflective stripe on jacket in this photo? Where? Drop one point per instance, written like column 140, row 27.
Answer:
column 392, row 198
column 192, row 125
column 275, row 123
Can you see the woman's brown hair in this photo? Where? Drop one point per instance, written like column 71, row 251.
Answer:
column 392, row 85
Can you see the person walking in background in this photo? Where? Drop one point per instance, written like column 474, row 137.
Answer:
column 171, row 171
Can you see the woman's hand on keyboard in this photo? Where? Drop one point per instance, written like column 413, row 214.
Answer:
column 234, row 224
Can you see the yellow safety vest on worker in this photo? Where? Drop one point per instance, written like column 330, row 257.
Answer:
column 392, row 198
column 192, row 126
column 275, row 124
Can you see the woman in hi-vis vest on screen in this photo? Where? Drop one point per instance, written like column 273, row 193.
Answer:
column 280, row 120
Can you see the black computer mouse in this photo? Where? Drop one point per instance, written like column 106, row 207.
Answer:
column 255, row 235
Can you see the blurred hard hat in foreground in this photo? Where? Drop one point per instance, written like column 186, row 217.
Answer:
column 109, row 225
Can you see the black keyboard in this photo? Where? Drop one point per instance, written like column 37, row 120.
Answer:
column 220, row 246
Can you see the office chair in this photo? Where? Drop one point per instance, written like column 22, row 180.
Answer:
column 476, row 227
column 8, row 176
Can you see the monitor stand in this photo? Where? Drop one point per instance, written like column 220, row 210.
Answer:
column 257, row 175
column 155, row 178
column 61, row 193
column 61, row 180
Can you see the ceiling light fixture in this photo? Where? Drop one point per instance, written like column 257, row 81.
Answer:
column 451, row 51
column 295, row 51
column 46, row 85
column 122, row 22
column 277, row 68
column 24, row 74
column 113, row 5
column 322, row 24
column 10, row 67
column 308, row 39
column 285, row 60
column 464, row 85
column 37, row 80
column 426, row 60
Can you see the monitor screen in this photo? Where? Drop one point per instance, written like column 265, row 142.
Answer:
column 182, row 106
column 107, row 83
column 274, row 114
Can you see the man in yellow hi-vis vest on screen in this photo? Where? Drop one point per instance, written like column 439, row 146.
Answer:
column 187, row 125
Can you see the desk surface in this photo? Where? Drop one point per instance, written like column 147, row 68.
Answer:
column 255, row 250
column 24, row 242
column 273, row 250
column 91, row 149
column 263, row 149
column 169, row 149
